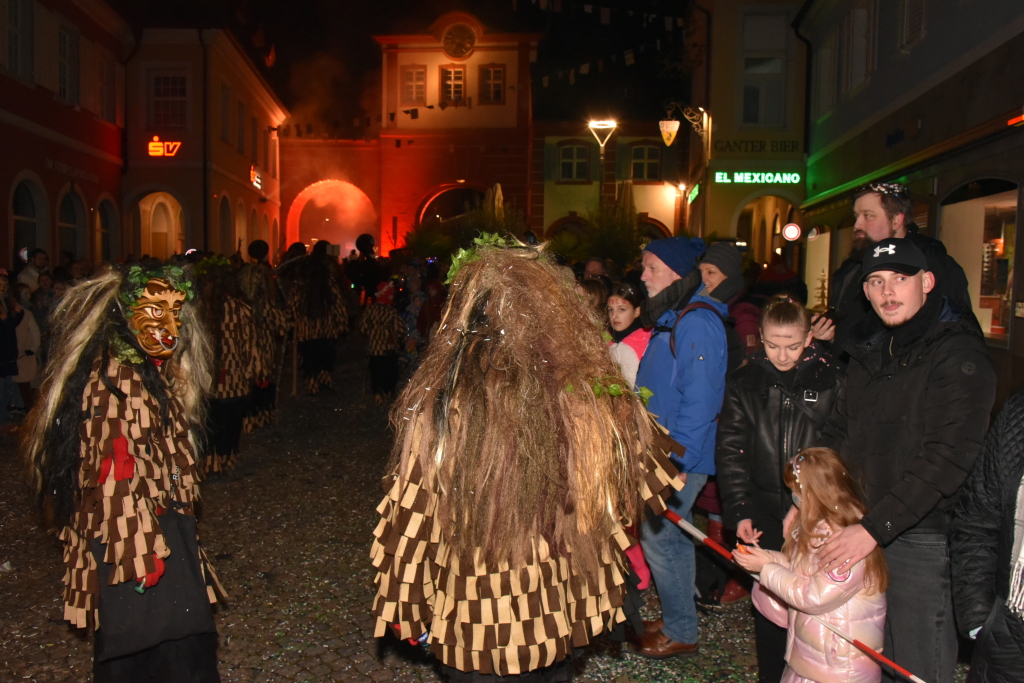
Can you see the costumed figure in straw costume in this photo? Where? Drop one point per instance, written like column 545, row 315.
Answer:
column 272, row 322
column 111, row 447
column 520, row 458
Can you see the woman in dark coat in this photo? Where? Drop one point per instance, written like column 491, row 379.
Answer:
column 774, row 406
column 987, row 548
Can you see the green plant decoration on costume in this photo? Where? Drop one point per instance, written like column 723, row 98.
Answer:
column 135, row 284
column 125, row 353
column 464, row 256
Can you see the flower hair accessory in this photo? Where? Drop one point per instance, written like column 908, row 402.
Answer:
column 891, row 189
column 796, row 467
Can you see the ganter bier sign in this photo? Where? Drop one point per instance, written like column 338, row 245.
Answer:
column 757, row 178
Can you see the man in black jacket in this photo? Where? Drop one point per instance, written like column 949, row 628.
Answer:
column 986, row 542
column 909, row 424
column 883, row 210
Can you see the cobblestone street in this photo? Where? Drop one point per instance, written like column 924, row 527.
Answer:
column 289, row 532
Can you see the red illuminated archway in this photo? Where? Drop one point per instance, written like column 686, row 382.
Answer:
column 337, row 211
column 440, row 190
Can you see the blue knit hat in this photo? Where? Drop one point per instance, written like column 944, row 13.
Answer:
column 679, row 253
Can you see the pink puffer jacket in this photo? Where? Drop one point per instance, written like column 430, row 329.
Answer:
column 788, row 594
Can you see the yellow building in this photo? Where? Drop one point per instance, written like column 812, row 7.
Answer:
column 747, row 170
column 201, row 151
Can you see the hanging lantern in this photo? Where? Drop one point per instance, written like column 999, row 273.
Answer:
column 669, row 128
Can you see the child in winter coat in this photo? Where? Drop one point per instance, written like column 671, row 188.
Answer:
column 793, row 591
column 773, row 407
column 629, row 338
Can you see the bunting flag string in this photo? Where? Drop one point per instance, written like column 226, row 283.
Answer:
column 605, row 14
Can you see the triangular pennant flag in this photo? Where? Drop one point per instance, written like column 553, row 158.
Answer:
column 600, row 65
column 589, row 9
column 544, row 81
column 628, row 56
column 657, row 44
column 558, row 5
column 669, row 22
column 606, row 15
column 679, row 22
column 544, row 4
column 572, row 76
column 585, row 69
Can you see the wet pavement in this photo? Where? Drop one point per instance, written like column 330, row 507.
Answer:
column 289, row 533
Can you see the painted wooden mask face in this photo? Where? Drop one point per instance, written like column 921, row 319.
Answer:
column 156, row 318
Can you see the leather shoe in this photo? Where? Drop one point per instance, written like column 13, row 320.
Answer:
column 653, row 626
column 659, row 646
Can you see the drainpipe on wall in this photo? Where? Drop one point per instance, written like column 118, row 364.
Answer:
column 206, row 141
column 808, row 76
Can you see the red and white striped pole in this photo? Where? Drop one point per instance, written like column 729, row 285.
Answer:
column 724, row 552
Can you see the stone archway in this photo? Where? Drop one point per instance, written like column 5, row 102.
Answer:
column 333, row 210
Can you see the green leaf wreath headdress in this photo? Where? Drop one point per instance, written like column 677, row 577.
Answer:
column 466, row 256
column 137, row 277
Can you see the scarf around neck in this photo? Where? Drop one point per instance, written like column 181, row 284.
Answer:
column 617, row 337
column 672, row 298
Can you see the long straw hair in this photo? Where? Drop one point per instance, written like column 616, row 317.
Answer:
column 828, row 494
column 84, row 326
column 503, row 420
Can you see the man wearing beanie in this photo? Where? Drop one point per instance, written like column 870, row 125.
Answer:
column 684, row 366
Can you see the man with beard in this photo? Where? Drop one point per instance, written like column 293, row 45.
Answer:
column 685, row 367
column 883, row 210
column 909, row 423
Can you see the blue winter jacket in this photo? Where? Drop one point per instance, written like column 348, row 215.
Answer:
column 689, row 387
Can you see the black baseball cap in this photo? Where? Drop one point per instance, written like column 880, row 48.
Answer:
column 898, row 255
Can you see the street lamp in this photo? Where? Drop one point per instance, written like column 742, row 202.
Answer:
column 700, row 119
column 602, row 130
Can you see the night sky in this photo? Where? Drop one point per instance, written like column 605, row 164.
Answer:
column 327, row 66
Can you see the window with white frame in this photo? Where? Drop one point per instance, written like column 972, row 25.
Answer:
column 168, row 99
column 453, row 85
column 414, row 84
column 574, row 162
column 67, row 64
column 492, row 84
column 764, row 69
column 912, row 15
column 646, row 162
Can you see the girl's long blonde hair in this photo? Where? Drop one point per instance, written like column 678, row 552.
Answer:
column 828, row 494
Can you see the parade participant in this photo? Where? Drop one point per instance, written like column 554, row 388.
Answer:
column 318, row 309
column 793, row 591
column 987, row 552
column 271, row 322
column 110, row 443
column 910, row 422
column 384, row 329
column 629, row 338
column 519, row 458
column 11, row 315
column 883, row 211
column 237, row 364
column 685, row 366
column 774, row 406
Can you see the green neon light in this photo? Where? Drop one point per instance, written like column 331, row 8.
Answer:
column 768, row 178
column 693, row 193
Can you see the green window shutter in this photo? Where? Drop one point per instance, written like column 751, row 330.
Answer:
column 622, row 161
column 550, row 161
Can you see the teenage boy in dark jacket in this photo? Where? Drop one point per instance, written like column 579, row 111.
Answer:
column 986, row 543
column 910, row 423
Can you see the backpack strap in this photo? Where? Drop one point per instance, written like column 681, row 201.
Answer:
column 692, row 306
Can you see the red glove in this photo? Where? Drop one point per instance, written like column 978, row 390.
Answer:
column 121, row 461
column 153, row 577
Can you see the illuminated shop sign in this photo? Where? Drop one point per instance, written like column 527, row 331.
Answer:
column 255, row 178
column 757, row 178
column 163, row 149
column 693, row 193
column 1016, row 121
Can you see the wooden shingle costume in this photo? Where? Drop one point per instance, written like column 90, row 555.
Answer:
column 115, row 466
column 521, row 455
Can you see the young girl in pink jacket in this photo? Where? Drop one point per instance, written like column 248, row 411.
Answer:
column 792, row 588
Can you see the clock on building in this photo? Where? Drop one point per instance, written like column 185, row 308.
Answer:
column 458, row 41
